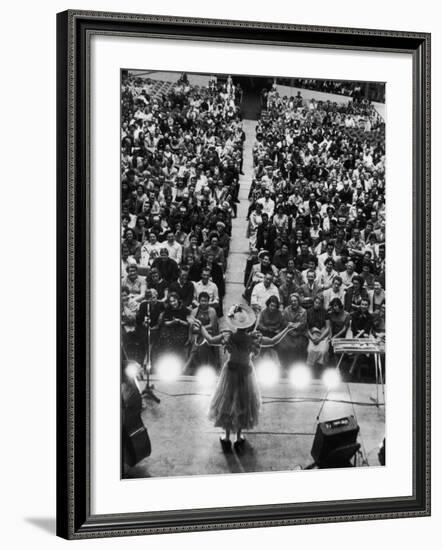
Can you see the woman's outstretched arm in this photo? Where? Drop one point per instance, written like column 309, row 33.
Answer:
column 267, row 342
column 218, row 339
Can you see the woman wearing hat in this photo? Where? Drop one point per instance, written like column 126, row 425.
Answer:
column 236, row 402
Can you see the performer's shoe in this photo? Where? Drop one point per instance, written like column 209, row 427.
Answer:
column 239, row 444
column 226, row 444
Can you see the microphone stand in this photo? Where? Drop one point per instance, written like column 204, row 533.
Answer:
column 148, row 390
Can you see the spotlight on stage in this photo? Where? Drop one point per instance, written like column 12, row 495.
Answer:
column 331, row 378
column 267, row 372
column 169, row 367
column 206, row 376
column 132, row 369
column 300, row 375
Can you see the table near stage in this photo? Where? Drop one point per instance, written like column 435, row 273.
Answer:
column 362, row 346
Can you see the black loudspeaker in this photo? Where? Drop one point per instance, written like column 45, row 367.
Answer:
column 136, row 445
column 135, row 439
column 335, row 442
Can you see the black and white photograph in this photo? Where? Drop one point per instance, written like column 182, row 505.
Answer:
column 252, row 274
column 210, row 334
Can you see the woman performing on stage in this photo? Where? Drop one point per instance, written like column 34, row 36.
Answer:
column 236, row 402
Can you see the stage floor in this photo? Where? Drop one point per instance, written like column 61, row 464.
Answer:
column 184, row 442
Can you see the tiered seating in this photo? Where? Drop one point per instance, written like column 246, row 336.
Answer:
column 160, row 87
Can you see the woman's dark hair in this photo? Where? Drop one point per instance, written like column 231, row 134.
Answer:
column 336, row 302
column 174, row 295
column 359, row 279
column 204, row 295
column 272, row 300
column 367, row 264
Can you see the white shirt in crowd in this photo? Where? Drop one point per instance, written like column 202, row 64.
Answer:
column 175, row 250
column 330, row 295
column 261, row 294
column 210, row 288
column 347, row 278
column 149, row 252
column 268, row 205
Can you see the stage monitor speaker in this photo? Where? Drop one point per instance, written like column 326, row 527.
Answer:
column 136, row 445
column 335, row 442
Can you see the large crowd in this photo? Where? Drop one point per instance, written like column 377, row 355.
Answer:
column 317, row 224
column 316, row 221
column 356, row 90
column 181, row 156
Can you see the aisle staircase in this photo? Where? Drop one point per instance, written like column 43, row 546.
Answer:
column 239, row 244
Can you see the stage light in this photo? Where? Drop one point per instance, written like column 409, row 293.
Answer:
column 169, row 367
column 300, row 376
column 132, row 369
column 206, row 376
column 331, row 378
column 267, row 372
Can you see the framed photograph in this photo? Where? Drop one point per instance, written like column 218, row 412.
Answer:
column 243, row 274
